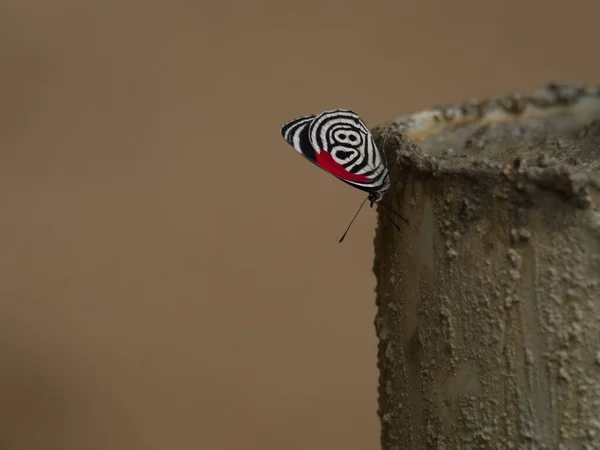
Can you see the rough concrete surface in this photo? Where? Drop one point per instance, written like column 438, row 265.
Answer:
column 489, row 300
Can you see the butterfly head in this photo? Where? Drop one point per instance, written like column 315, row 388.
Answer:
column 376, row 194
column 374, row 197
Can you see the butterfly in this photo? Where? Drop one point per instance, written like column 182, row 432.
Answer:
column 340, row 143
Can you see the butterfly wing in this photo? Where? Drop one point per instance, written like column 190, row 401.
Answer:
column 295, row 133
column 346, row 149
column 340, row 143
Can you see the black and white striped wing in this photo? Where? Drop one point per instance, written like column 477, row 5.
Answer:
column 341, row 144
column 352, row 153
column 295, row 133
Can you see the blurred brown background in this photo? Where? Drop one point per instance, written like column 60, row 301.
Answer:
column 170, row 275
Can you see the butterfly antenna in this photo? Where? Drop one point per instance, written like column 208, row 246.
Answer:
column 354, row 218
column 389, row 207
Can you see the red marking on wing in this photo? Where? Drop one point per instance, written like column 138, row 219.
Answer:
column 326, row 161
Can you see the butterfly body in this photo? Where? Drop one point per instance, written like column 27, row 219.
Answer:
column 340, row 143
